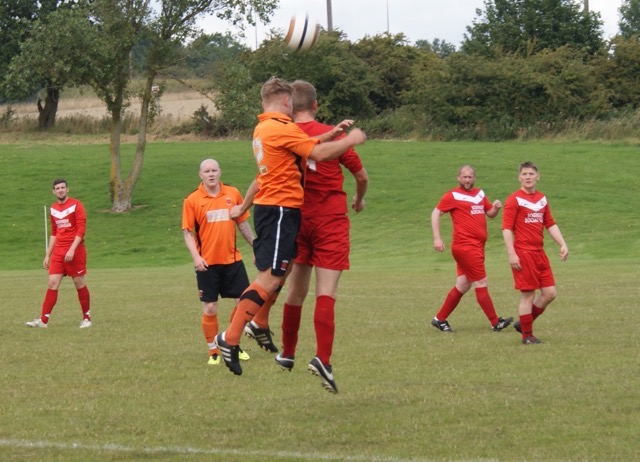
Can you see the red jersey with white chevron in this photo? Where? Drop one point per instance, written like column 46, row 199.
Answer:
column 68, row 220
column 527, row 215
column 467, row 209
column 323, row 187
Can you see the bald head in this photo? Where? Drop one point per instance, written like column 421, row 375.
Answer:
column 210, row 174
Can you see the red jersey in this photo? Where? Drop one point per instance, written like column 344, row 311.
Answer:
column 323, row 187
column 215, row 231
column 68, row 220
column 280, row 149
column 527, row 215
column 468, row 209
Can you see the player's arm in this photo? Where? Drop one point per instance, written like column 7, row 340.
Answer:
column 514, row 260
column 435, row 229
column 247, row 232
column 335, row 131
column 239, row 210
column 495, row 209
column 332, row 149
column 72, row 250
column 47, row 256
column 362, row 184
column 199, row 263
column 556, row 235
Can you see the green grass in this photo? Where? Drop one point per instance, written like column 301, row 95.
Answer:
column 136, row 386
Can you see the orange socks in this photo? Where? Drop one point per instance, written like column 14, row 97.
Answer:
column 210, row 330
column 251, row 300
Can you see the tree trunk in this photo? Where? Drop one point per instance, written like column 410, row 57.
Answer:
column 122, row 191
column 47, row 117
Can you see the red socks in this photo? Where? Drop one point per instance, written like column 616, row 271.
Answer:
column 324, row 322
column 50, row 300
column 484, row 299
column 291, row 316
column 450, row 303
column 85, row 302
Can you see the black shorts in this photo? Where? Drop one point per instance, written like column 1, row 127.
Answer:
column 275, row 245
column 227, row 281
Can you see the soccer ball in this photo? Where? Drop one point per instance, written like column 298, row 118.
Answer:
column 303, row 33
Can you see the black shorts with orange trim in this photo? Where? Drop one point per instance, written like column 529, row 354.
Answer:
column 275, row 245
column 225, row 281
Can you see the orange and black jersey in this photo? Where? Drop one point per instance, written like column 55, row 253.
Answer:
column 280, row 149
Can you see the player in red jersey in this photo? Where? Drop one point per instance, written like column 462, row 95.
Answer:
column 526, row 215
column 210, row 236
column 323, row 240
column 66, row 254
column 468, row 207
column 280, row 150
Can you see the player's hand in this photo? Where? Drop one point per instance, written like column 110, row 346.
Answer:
column 69, row 255
column 514, row 261
column 357, row 136
column 497, row 204
column 200, row 264
column 564, row 253
column 340, row 128
column 358, row 206
column 45, row 263
column 235, row 211
column 438, row 245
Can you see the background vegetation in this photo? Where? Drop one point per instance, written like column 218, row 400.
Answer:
column 525, row 70
column 136, row 386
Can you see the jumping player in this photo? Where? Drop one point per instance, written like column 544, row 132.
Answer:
column 323, row 241
column 280, row 149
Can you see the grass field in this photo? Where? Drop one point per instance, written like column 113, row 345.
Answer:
column 136, row 385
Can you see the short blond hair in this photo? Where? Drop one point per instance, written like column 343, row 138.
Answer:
column 275, row 87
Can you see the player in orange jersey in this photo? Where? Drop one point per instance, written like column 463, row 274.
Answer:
column 468, row 207
column 526, row 215
column 210, row 236
column 281, row 150
column 66, row 254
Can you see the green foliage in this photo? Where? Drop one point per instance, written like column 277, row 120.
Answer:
column 630, row 18
column 530, row 26
column 621, row 70
column 497, row 98
column 389, row 60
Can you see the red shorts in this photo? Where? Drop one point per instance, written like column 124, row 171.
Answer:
column 74, row 268
column 469, row 262
column 323, row 241
column 535, row 273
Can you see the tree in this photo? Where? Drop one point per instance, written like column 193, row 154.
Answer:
column 343, row 81
column 120, row 24
column 630, row 18
column 93, row 42
column 19, row 22
column 529, row 26
column 440, row 47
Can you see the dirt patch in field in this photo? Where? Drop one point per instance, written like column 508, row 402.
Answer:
column 179, row 106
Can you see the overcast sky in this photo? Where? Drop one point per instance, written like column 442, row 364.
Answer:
column 417, row 19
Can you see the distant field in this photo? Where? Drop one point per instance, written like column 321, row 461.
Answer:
column 136, row 385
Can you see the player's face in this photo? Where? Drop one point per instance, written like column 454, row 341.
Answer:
column 210, row 174
column 61, row 190
column 466, row 179
column 528, row 178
